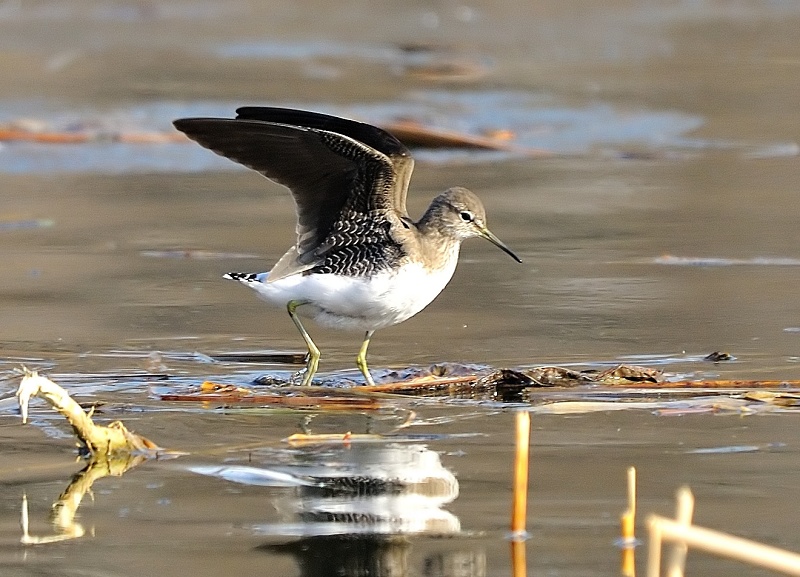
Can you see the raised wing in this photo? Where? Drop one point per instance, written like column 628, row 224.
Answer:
column 335, row 179
column 372, row 136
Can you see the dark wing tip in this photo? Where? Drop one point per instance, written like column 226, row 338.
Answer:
column 368, row 134
column 191, row 125
column 183, row 123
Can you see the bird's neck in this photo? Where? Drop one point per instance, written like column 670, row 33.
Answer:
column 433, row 243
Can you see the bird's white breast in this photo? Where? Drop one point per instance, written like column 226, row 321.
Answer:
column 362, row 303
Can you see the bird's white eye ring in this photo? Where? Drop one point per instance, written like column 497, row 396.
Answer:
column 466, row 216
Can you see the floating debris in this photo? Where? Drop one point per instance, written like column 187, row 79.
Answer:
column 415, row 133
column 112, row 451
column 43, row 134
column 549, row 376
column 410, row 132
column 299, row 439
column 627, row 374
column 429, row 385
column 549, row 389
column 773, row 398
column 96, row 439
column 322, row 398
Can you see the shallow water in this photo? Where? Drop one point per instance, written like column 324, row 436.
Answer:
column 662, row 227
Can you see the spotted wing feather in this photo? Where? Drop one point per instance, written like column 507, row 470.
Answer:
column 346, row 191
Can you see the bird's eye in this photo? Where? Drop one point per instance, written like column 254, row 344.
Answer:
column 466, row 216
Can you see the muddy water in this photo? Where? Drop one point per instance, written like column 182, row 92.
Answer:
column 663, row 227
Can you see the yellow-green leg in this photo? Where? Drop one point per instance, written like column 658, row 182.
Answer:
column 361, row 359
column 313, row 351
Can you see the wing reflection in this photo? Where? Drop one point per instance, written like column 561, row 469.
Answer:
column 369, row 500
column 367, row 488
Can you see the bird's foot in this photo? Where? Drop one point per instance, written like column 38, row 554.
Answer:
column 301, row 378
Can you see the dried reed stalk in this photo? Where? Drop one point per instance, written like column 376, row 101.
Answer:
column 717, row 543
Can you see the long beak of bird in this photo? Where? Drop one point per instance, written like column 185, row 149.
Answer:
column 488, row 235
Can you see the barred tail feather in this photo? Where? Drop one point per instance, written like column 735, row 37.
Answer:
column 245, row 277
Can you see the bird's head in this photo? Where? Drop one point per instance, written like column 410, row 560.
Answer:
column 459, row 214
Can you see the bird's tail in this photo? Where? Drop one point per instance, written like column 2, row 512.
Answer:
column 245, row 277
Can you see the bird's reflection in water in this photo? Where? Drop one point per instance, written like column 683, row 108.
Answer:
column 370, row 500
column 365, row 555
column 351, row 555
column 365, row 488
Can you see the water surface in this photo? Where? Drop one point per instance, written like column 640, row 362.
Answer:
column 662, row 227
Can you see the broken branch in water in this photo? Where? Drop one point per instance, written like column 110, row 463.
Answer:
column 98, row 439
column 113, row 450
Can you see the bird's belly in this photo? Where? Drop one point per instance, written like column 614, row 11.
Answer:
column 360, row 303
